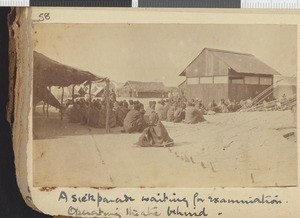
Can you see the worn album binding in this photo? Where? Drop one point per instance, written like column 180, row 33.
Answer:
column 19, row 93
column 177, row 113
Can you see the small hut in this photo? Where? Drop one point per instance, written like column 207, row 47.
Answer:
column 134, row 89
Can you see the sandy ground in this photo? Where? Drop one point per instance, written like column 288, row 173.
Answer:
column 237, row 149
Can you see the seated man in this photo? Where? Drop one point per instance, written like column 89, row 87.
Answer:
column 142, row 109
column 232, row 106
column 121, row 112
column 249, row 102
column 213, row 106
column 150, row 108
column 83, row 108
column 75, row 113
column 171, row 111
column 160, row 108
column 156, row 134
column 116, row 108
column 130, row 107
column 200, row 106
column 192, row 115
column 223, row 106
column 179, row 113
column 134, row 120
column 94, row 116
column 125, row 106
column 112, row 120
column 165, row 110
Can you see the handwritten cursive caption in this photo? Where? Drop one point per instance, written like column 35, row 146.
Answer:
column 166, row 204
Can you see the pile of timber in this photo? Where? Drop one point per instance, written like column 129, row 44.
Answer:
column 278, row 104
column 258, row 99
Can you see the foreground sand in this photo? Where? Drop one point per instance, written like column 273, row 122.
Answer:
column 237, row 149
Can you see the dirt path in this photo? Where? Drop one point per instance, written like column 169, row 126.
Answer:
column 226, row 150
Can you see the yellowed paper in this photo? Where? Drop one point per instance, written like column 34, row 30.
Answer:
column 210, row 166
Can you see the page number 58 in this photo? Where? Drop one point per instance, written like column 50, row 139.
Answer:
column 44, row 16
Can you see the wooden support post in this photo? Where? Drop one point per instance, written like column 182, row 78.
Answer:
column 61, row 102
column 73, row 89
column 90, row 102
column 43, row 107
column 49, row 88
column 107, row 105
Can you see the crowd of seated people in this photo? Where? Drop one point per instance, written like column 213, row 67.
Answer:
column 134, row 117
column 94, row 114
column 177, row 110
column 225, row 106
column 130, row 115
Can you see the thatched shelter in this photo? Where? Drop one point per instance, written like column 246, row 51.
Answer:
column 53, row 73
column 143, row 90
column 47, row 73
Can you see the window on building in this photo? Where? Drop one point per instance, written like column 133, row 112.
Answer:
column 254, row 80
column 192, row 80
column 265, row 81
column 237, row 81
column 206, row 80
column 220, row 79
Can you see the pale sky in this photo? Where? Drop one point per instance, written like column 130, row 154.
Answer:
column 160, row 52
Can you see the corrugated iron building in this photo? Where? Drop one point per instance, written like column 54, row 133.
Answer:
column 218, row 74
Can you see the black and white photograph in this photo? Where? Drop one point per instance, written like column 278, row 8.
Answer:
column 164, row 105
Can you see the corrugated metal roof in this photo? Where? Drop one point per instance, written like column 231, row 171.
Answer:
column 243, row 63
column 240, row 62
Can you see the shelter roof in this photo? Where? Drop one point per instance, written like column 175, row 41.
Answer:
column 52, row 73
